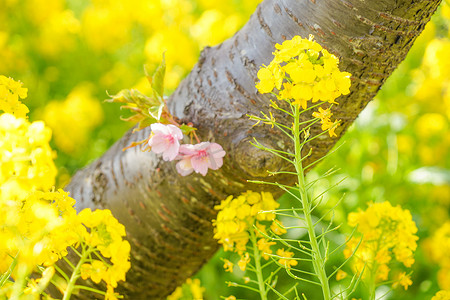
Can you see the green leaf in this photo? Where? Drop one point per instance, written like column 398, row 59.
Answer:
column 156, row 111
column 145, row 123
column 146, row 109
column 186, row 129
column 121, row 97
column 157, row 80
column 135, row 97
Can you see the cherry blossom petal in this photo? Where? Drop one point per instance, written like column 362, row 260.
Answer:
column 159, row 128
column 200, row 163
column 216, row 154
column 184, row 167
column 200, row 157
column 171, row 152
column 164, row 140
column 158, row 144
column 187, row 150
column 175, row 131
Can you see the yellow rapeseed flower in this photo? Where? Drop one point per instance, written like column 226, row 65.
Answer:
column 245, row 259
column 442, row 295
column 238, row 215
column 37, row 229
column 341, row 275
column 286, row 258
column 228, row 266
column 26, row 157
column 106, row 234
column 388, row 233
column 195, row 290
column 96, row 270
column 278, row 228
column 303, row 71
column 312, row 71
column 264, row 247
column 10, row 92
column 270, row 77
column 322, row 114
column 402, row 280
column 439, row 245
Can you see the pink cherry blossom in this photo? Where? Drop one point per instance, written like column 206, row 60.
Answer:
column 164, row 140
column 199, row 158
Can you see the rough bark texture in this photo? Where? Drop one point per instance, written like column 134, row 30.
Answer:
column 168, row 217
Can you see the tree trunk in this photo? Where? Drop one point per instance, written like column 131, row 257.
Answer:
column 167, row 216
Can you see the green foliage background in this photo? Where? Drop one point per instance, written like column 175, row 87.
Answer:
column 397, row 150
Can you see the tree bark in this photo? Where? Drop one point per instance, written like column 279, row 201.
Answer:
column 167, row 216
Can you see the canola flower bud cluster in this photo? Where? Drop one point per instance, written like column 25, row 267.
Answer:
column 388, row 234
column 303, row 71
column 10, row 92
column 38, row 225
column 239, row 218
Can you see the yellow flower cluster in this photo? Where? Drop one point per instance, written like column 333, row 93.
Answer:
column 106, row 234
column 440, row 248
column 302, row 70
column 237, row 215
column 432, row 78
column 402, row 279
column 242, row 216
column 35, row 229
column 432, row 90
column 26, row 157
column 10, row 92
column 387, row 233
column 285, row 258
column 38, row 231
column 79, row 114
column 324, row 115
column 195, row 291
column 441, row 295
column 38, row 225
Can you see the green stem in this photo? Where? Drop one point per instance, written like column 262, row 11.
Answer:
column 372, row 286
column 317, row 259
column 258, row 271
column 8, row 273
column 76, row 273
column 19, row 284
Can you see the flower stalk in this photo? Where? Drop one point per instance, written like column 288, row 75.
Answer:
column 258, row 268
column 76, row 273
column 317, row 259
